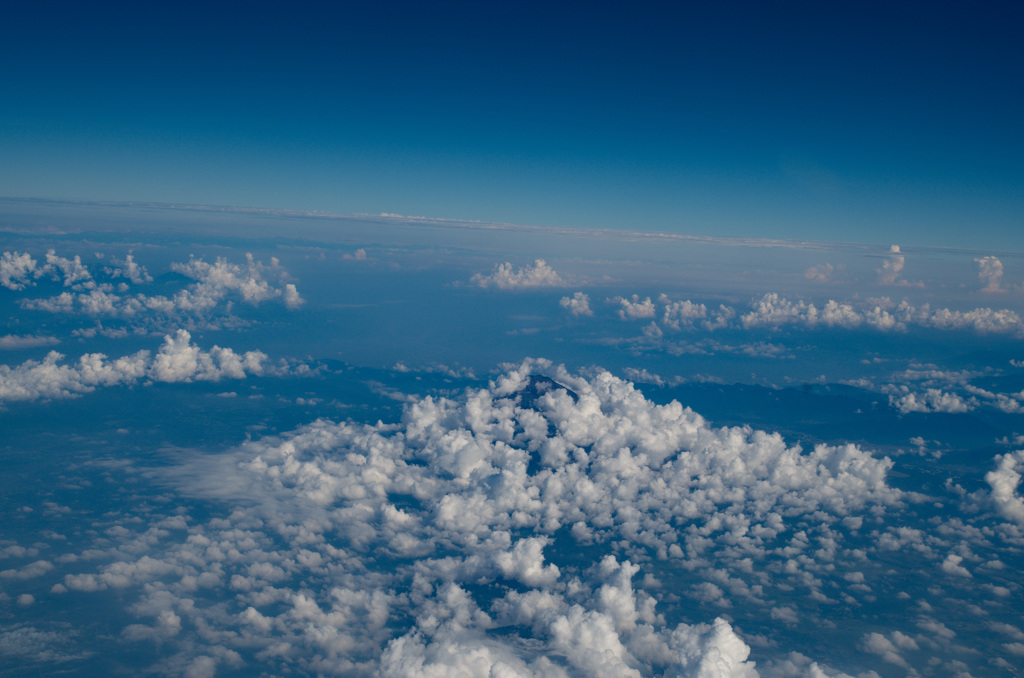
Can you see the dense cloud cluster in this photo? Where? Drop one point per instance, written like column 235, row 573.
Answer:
column 177, row 360
column 505, row 277
column 442, row 544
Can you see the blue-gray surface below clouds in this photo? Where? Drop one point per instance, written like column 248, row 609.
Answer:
column 227, row 453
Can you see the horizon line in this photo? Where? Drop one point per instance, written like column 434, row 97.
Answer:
column 618, row 233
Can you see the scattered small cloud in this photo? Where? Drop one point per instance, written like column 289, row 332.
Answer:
column 892, row 266
column 820, row 273
column 578, row 304
column 990, row 272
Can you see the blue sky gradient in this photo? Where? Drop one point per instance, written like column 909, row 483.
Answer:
column 864, row 123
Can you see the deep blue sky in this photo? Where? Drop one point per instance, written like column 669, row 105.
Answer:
column 862, row 122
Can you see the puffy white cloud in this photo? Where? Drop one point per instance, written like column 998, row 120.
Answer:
column 217, row 279
column 460, row 653
column 129, row 269
column 634, row 308
column 643, row 376
column 892, row 266
column 525, row 562
column 990, row 272
column 611, row 634
column 983, row 320
column 876, row 643
column 951, row 565
column 774, row 310
column 716, row 653
column 578, row 304
column 33, row 380
column 1004, row 481
column 177, row 360
column 505, row 277
column 71, row 270
column 180, row 360
column 932, row 400
column 291, row 296
column 16, row 270
column 679, row 314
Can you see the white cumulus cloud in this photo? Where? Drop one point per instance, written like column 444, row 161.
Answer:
column 892, row 266
column 578, row 304
column 1004, row 481
column 505, row 277
column 990, row 272
column 177, row 360
column 634, row 308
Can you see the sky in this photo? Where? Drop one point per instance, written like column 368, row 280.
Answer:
column 534, row 340
column 850, row 123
